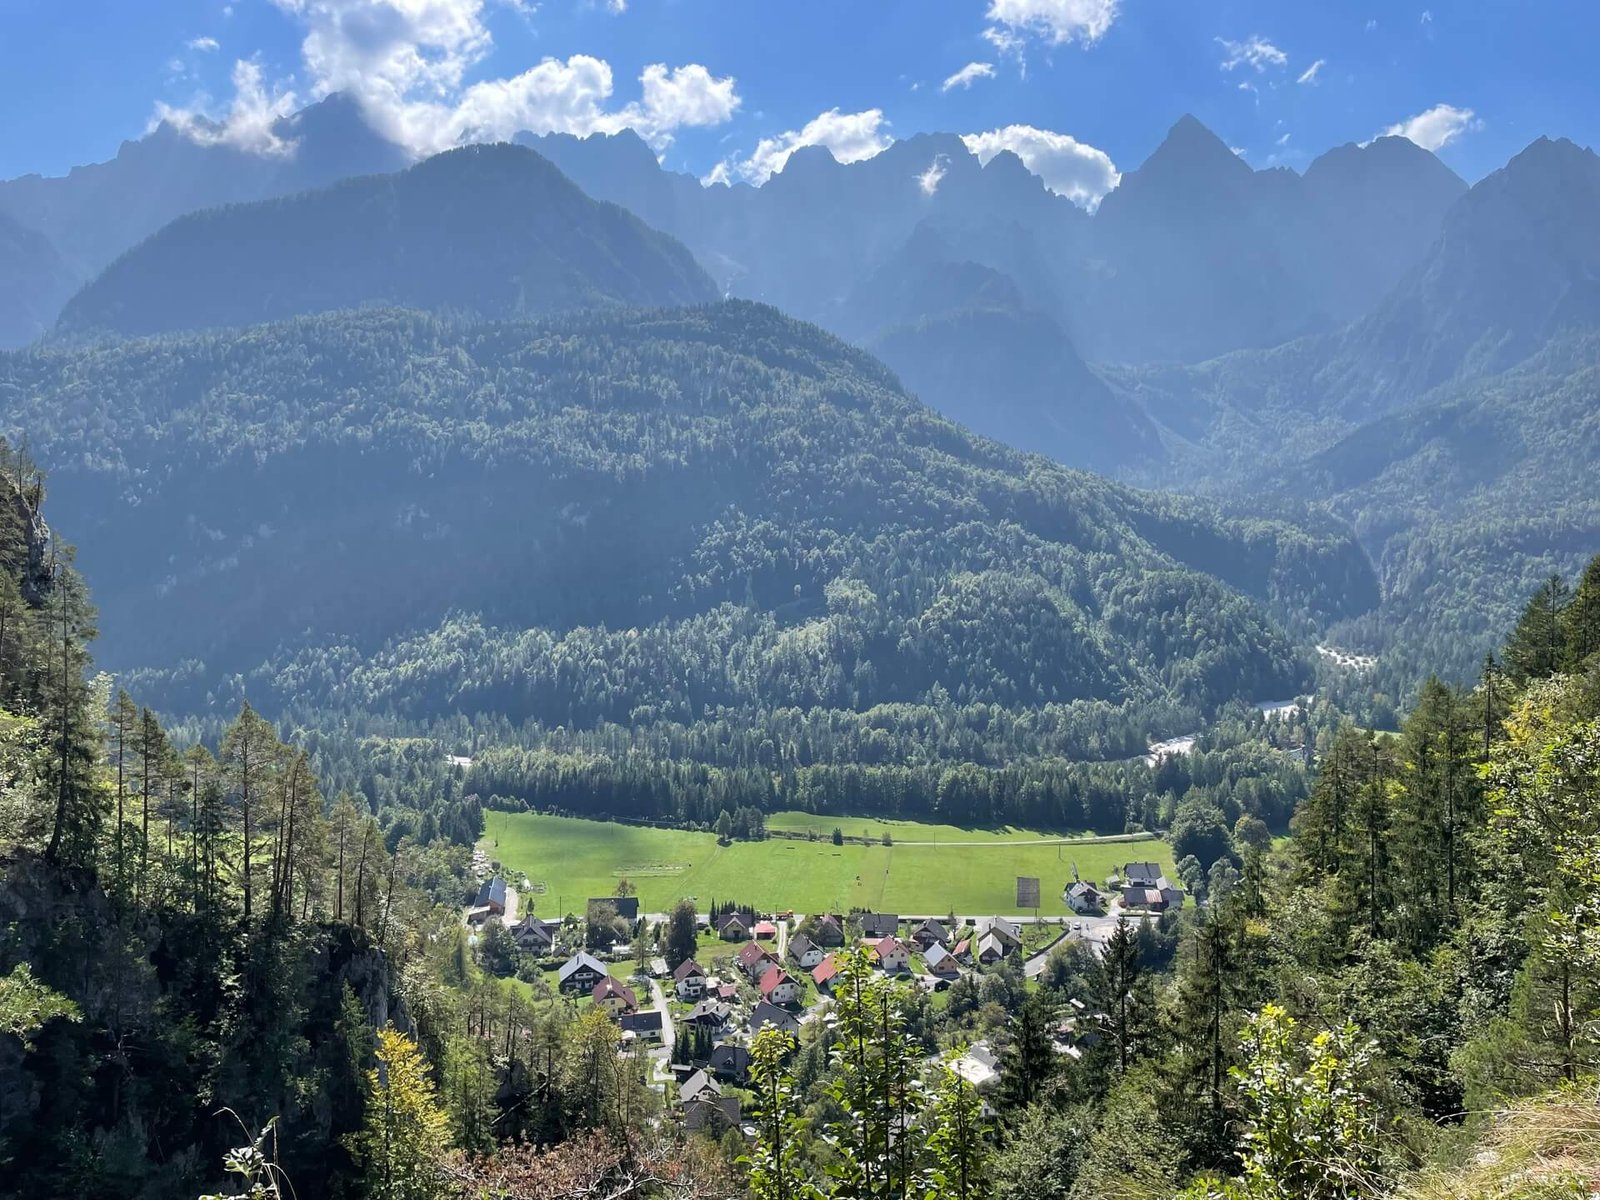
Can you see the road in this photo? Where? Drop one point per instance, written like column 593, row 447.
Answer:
column 662, row 1056
column 1096, row 931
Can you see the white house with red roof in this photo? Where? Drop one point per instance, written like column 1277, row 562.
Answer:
column 892, row 954
column 778, row 987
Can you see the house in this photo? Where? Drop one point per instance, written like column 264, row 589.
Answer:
column 778, row 987
column 627, row 907
column 754, row 959
column 689, row 979
column 478, row 915
column 827, row 931
column 766, row 1013
column 492, row 895
column 1157, row 897
column 1007, row 931
column 713, row 1014
column 765, row 930
column 962, row 952
column 1084, row 897
column 711, row 1115
column 726, row 992
column 941, row 963
column 979, row 1066
column 729, row 1062
column 879, row 925
column 930, row 933
column 1139, row 874
column 699, row 1086
column 580, row 973
column 614, row 997
column 658, row 968
column 736, row 927
column 892, row 954
column 534, row 935
column 822, row 974
column 804, row 951
column 991, row 949
column 645, row 1026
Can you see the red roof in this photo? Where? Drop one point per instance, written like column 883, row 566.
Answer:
column 774, row 979
column 890, row 945
column 824, row 971
column 766, row 929
column 609, row 987
column 751, row 954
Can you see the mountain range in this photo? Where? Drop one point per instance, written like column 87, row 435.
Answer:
column 1350, row 338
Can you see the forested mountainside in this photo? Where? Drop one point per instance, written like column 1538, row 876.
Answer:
column 201, row 952
column 751, row 511
column 1453, row 427
column 487, row 230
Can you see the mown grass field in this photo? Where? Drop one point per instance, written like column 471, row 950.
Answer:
column 914, row 831
column 574, row 859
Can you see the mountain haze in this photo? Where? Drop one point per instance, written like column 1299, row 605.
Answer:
column 490, row 230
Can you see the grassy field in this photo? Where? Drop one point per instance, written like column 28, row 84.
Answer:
column 572, row 860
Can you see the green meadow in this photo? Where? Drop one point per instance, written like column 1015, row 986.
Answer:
column 569, row 860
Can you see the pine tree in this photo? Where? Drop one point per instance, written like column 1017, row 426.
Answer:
column 1120, row 996
column 1537, row 648
column 69, row 770
column 250, row 753
column 1030, row 1058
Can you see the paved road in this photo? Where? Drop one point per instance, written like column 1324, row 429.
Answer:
column 1096, row 931
column 662, row 1057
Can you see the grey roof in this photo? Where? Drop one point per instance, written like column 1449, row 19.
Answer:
column 576, row 963
column 767, row 1013
column 641, row 1022
column 879, row 924
column 799, row 944
column 727, row 1057
column 939, row 959
column 627, row 906
column 699, row 1084
column 493, row 891
column 709, row 1010
column 709, row 1114
column 1140, row 872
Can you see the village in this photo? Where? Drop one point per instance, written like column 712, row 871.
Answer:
column 694, row 1018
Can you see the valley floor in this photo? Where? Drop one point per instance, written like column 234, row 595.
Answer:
column 568, row 860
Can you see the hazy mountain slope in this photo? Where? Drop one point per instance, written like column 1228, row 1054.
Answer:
column 341, row 480
column 489, row 230
column 95, row 212
column 34, row 282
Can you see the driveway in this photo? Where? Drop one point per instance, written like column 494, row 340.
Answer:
column 662, row 1055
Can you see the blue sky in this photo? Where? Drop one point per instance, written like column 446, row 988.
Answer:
column 729, row 86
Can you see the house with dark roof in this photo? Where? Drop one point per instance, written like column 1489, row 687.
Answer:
column 699, row 1086
column 777, row 986
column 713, row 1014
column 580, row 973
column 930, row 933
column 689, row 980
column 804, row 951
column 1139, row 874
column 627, row 907
column 991, row 949
column 492, row 895
column 645, row 1026
column 879, row 925
column 729, row 1062
column 1157, row 897
column 754, row 959
column 614, row 997
column 713, row 1116
column 766, row 1013
column 827, row 931
column 536, row 936
column 1008, row 931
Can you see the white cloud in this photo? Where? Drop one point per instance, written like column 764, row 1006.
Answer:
column 968, row 75
column 1068, row 167
column 1007, row 45
column 1054, row 21
column 1255, row 51
column 1309, row 75
column 247, row 124
column 929, row 180
column 407, row 62
column 1436, row 128
column 203, row 44
column 1427, row 17
column 1372, row 23
column 850, row 137
column 1283, row 140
